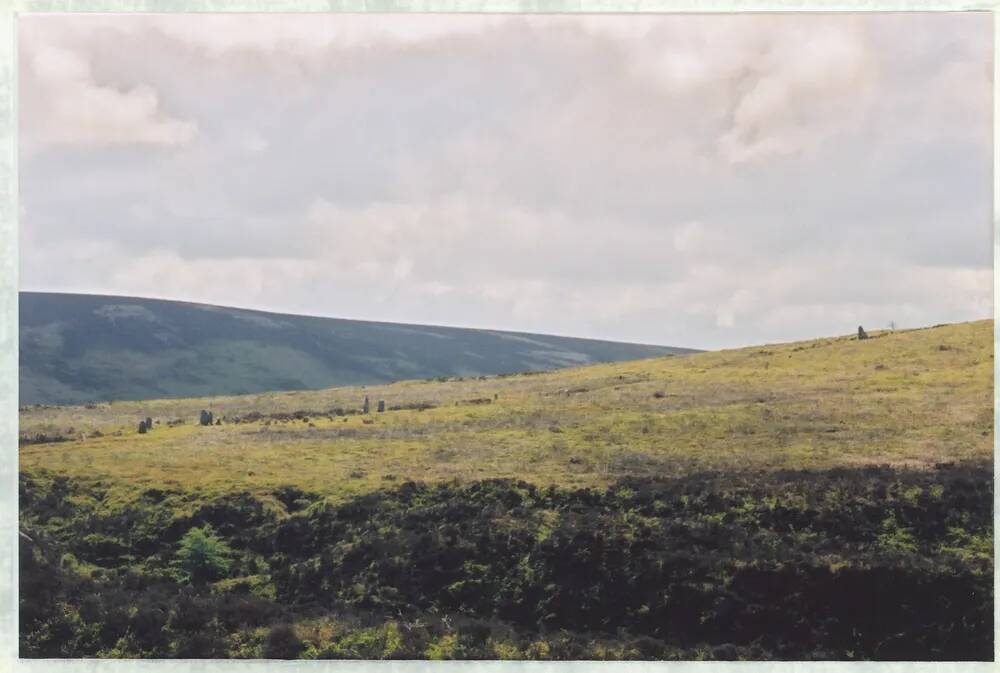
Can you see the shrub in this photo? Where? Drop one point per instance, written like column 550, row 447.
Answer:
column 283, row 643
column 873, row 562
column 202, row 556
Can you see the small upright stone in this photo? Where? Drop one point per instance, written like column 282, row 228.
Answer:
column 381, row 406
column 149, row 423
column 206, row 417
column 862, row 334
column 367, row 407
column 142, row 427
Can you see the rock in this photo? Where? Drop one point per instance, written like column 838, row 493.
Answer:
column 862, row 334
column 142, row 427
column 206, row 417
column 149, row 423
column 381, row 406
column 366, row 408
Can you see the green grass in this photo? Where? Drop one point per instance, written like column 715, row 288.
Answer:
column 907, row 398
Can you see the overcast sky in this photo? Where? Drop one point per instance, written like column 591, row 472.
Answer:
column 701, row 181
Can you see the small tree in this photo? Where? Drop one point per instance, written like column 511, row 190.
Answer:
column 202, row 556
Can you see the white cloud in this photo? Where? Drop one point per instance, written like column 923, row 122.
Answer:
column 690, row 180
column 778, row 85
column 255, row 144
column 799, row 91
column 69, row 106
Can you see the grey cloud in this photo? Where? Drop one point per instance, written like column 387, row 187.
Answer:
column 619, row 177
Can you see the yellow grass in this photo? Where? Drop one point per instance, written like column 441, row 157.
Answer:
column 909, row 397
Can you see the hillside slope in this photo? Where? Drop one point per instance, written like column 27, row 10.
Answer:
column 907, row 398
column 829, row 499
column 84, row 348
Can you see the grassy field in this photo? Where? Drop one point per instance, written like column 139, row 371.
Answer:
column 902, row 398
column 828, row 499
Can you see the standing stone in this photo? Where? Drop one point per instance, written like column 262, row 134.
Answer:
column 366, row 408
column 149, row 423
column 142, row 427
column 862, row 334
column 381, row 406
column 206, row 417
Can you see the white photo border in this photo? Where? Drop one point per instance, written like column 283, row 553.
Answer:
column 9, row 12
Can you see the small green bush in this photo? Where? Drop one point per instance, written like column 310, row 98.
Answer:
column 202, row 557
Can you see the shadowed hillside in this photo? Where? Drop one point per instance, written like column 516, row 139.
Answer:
column 84, row 348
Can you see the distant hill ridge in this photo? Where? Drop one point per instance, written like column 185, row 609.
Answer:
column 77, row 348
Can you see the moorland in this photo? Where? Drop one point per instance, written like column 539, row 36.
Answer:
column 79, row 348
column 825, row 499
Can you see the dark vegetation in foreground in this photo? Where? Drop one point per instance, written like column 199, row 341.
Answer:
column 867, row 563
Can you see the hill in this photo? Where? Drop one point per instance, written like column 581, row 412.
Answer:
column 827, row 499
column 909, row 397
column 86, row 348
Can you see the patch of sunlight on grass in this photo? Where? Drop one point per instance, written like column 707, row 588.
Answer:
column 909, row 397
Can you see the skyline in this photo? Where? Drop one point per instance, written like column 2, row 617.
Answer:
column 607, row 177
column 483, row 328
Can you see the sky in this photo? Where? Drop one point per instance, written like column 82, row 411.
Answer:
column 685, row 180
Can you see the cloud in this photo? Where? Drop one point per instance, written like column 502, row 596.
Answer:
column 799, row 91
column 776, row 85
column 689, row 180
column 68, row 106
